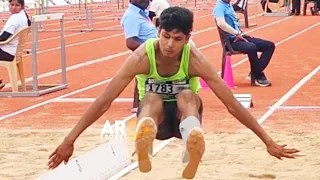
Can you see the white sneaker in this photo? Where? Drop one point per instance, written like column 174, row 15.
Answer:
column 195, row 150
column 185, row 156
column 145, row 134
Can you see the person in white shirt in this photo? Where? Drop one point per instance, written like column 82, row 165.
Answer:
column 18, row 20
column 156, row 8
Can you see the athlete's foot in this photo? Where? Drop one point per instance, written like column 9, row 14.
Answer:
column 195, row 148
column 145, row 134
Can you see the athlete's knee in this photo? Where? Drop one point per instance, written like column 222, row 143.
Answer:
column 151, row 106
column 187, row 96
column 187, row 101
column 152, row 98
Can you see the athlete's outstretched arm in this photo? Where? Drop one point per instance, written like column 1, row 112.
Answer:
column 102, row 103
column 123, row 77
column 200, row 66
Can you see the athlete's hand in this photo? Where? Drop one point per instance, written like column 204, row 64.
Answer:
column 279, row 151
column 62, row 153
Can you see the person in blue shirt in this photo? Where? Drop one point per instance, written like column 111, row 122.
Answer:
column 138, row 27
column 226, row 19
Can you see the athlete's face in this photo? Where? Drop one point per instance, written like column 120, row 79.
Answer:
column 171, row 43
column 15, row 7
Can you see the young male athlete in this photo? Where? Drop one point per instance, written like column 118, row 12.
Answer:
column 168, row 71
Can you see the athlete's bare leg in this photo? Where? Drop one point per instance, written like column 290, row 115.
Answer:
column 192, row 135
column 151, row 110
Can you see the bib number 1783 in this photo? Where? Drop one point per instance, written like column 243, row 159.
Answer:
column 160, row 88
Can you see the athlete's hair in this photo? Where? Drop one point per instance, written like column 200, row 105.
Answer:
column 178, row 18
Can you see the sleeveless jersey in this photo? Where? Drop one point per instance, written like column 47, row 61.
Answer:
column 166, row 87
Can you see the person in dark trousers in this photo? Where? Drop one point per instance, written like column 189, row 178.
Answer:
column 137, row 29
column 263, row 4
column 296, row 6
column 315, row 10
column 227, row 20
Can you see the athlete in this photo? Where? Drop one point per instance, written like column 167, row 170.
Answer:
column 168, row 70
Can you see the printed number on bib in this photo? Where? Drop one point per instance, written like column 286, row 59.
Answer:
column 161, row 88
column 169, row 88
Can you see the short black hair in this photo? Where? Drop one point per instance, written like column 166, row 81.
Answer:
column 179, row 18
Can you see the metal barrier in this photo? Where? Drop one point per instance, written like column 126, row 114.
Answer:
column 86, row 14
column 37, row 89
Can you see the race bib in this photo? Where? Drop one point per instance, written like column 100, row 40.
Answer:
column 166, row 89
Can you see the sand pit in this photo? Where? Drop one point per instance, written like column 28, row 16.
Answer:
column 240, row 157
column 24, row 155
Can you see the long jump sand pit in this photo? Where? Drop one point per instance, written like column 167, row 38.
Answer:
column 24, row 155
column 239, row 157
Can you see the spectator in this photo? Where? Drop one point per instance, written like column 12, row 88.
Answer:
column 315, row 10
column 263, row 4
column 156, row 7
column 296, row 6
column 138, row 27
column 17, row 21
column 227, row 20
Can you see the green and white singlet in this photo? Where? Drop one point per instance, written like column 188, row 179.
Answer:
column 167, row 87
